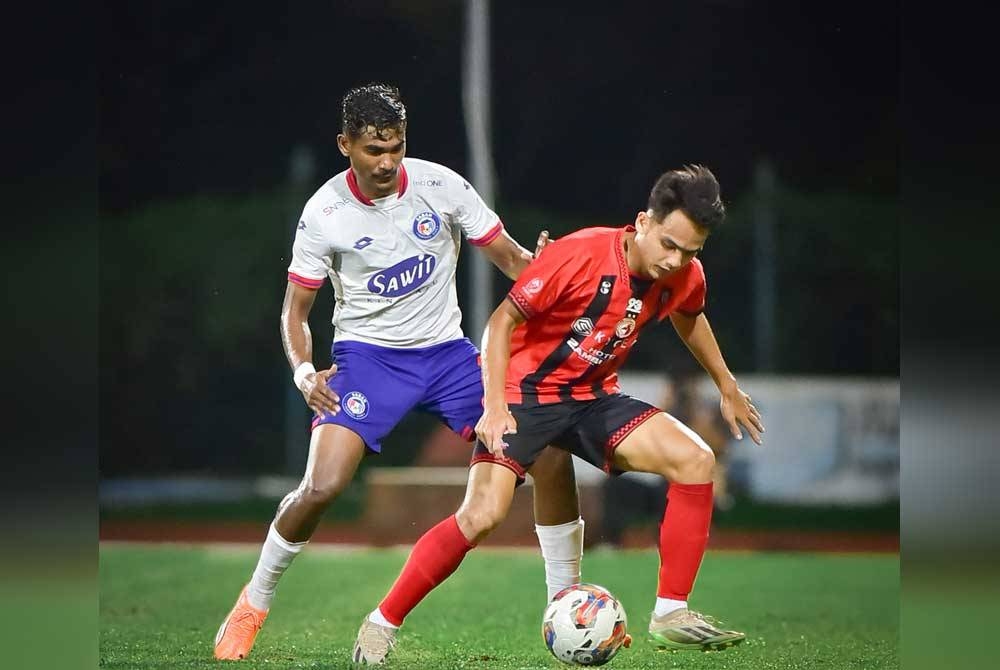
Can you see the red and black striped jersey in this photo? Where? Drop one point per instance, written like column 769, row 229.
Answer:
column 584, row 311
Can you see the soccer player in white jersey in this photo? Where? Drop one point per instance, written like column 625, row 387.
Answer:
column 387, row 233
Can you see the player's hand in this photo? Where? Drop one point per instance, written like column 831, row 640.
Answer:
column 493, row 425
column 543, row 240
column 320, row 397
column 737, row 410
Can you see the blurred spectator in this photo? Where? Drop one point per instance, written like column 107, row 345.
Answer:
column 637, row 499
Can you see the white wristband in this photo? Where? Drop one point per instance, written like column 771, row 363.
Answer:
column 301, row 372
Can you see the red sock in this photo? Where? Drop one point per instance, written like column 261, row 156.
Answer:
column 433, row 558
column 683, row 538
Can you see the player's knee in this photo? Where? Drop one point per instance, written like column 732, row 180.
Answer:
column 480, row 517
column 322, row 493
column 554, row 470
column 697, row 466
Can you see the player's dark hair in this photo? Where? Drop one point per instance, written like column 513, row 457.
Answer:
column 375, row 105
column 694, row 190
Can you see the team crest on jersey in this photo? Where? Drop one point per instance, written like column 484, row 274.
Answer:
column 533, row 286
column 426, row 225
column 356, row 404
column 625, row 328
column 583, row 326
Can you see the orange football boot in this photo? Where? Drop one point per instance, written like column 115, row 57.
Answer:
column 237, row 633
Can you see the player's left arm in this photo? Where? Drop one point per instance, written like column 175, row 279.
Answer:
column 511, row 257
column 736, row 406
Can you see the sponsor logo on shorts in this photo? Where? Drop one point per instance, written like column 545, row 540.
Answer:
column 403, row 277
column 426, row 225
column 355, row 404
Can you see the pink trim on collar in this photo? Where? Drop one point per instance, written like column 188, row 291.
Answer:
column 352, row 183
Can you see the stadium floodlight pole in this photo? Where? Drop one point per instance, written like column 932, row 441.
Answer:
column 476, row 107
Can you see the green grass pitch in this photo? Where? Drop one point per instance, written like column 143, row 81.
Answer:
column 160, row 607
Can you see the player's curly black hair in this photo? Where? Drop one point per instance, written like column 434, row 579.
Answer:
column 374, row 105
column 694, row 190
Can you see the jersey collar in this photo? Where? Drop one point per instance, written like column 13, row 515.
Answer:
column 352, row 183
column 623, row 272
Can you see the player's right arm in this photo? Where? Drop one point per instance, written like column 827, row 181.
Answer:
column 311, row 253
column 497, row 420
column 296, row 338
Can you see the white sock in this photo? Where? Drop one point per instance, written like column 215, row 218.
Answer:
column 275, row 556
column 665, row 606
column 376, row 617
column 562, row 549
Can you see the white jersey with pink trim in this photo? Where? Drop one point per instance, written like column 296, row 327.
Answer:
column 392, row 261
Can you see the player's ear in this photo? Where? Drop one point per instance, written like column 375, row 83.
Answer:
column 641, row 220
column 344, row 144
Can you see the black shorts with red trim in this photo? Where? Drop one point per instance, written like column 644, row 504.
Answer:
column 590, row 429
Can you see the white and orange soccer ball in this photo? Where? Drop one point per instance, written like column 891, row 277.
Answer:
column 585, row 625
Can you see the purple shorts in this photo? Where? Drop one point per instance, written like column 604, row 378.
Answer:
column 379, row 385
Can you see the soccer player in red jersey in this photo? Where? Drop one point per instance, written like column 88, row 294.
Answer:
column 551, row 352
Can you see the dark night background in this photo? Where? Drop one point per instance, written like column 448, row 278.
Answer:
column 200, row 107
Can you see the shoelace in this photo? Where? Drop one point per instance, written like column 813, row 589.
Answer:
column 708, row 619
column 247, row 617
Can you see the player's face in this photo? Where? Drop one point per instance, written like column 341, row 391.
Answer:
column 375, row 159
column 664, row 247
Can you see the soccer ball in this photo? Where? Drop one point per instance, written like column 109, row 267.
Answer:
column 585, row 625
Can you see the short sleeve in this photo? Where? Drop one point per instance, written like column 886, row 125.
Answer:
column 310, row 262
column 693, row 303
column 479, row 223
column 545, row 279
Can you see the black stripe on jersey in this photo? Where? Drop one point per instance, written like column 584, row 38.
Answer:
column 598, row 305
column 639, row 289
